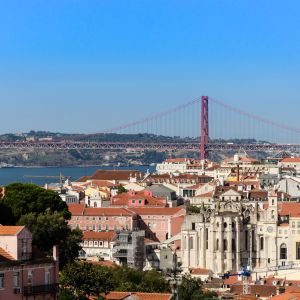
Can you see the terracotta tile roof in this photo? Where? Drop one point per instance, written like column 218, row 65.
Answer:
column 157, row 210
column 101, row 235
column 194, row 187
column 287, row 296
column 107, row 211
column 123, row 199
column 291, row 160
column 76, row 209
column 177, row 160
column 83, row 179
column 206, row 194
column 116, row 174
column 10, row 230
column 289, row 208
column 138, row 296
column 200, row 271
column 213, row 168
column 102, row 263
column 257, row 289
column 4, row 255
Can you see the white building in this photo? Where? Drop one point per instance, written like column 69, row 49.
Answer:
column 234, row 233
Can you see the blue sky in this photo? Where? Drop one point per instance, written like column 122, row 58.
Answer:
column 85, row 66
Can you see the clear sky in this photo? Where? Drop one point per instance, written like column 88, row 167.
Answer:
column 88, row 65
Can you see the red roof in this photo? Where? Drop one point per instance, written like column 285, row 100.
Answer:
column 157, row 210
column 291, row 160
column 107, row 211
column 289, row 208
column 76, row 209
column 199, row 271
column 10, row 230
column 101, row 235
column 123, row 199
column 116, row 174
column 4, row 255
column 138, row 296
column 81, row 210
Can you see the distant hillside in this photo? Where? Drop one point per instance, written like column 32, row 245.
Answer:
column 22, row 157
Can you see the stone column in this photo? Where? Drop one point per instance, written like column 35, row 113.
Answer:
column 203, row 245
column 220, row 254
column 238, row 244
column 229, row 244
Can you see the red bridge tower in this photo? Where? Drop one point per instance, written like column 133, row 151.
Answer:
column 204, row 128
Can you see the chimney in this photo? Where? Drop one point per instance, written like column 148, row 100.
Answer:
column 55, row 253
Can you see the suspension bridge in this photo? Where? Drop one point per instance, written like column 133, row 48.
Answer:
column 204, row 124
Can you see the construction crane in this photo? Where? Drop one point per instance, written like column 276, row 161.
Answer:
column 245, row 273
column 61, row 177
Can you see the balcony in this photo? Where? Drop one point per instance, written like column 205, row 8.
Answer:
column 120, row 253
column 32, row 290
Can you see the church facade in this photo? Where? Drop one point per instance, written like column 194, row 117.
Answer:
column 233, row 233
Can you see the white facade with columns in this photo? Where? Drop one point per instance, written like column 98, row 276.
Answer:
column 233, row 234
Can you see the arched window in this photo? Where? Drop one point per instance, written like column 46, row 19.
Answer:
column 191, row 242
column 283, row 251
column 297, row 250
column 261, row 243
column 272, row 214
column 217, row 245
column 184, row 243
column 233, row 247
column 225, row 245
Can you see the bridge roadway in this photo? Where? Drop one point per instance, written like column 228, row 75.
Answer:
column 67, row 145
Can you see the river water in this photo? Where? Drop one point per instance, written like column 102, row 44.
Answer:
column 25, row 174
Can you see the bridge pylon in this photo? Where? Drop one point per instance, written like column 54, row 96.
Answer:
column 204, row 128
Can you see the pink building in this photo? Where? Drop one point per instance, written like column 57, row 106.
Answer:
column 104, row 218
column 21, row 276
column 160, row 223
column 138, row 199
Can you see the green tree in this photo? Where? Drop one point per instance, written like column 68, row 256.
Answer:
column 85, row 279
column 29, row 198
column 121, row 189
column 191, row 289
column 45, row 214
column 51, row 228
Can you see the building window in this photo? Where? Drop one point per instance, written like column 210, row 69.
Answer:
column 246, row 240
column 30, row 277
column 193, row 226
column 99, row 227
column 217, row 245
column 261, row 243
column 283, row 251
column 225, row 225
column 47, row 277
column 1, row 280
column 206, row 231
column 225, row 245
column 233, row 248
column 293, row 224
column 87, row 227
column 24, row 246
column 94, row 227
column 297, row 250
column 191, row 242
column 16, row 279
